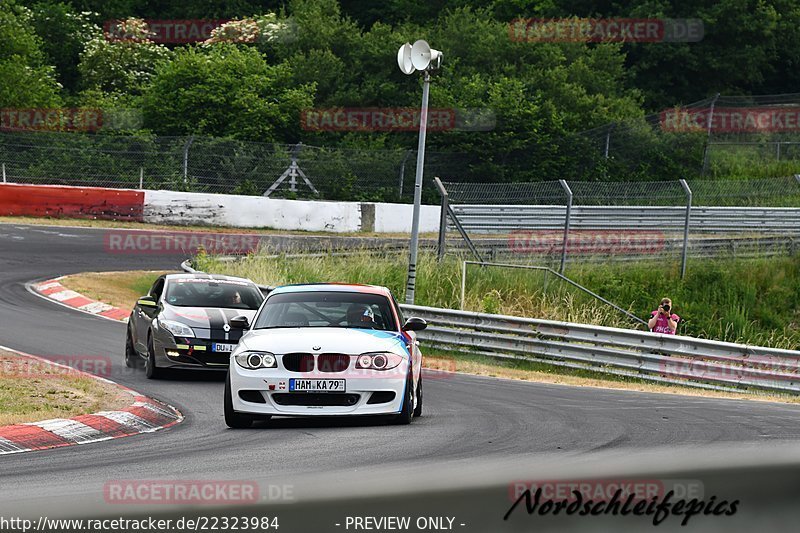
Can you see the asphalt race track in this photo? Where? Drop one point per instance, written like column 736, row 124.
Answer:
column 466, row 418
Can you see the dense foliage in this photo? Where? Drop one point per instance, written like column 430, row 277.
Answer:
column 297, row 54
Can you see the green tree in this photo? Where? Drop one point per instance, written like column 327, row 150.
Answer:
column 226, row 90
column 25, row 78
column 121, row 65
column 64, row 34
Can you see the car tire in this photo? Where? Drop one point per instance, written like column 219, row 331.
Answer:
column 407, row 412
column 151, row 371
column 232, row 418
column 418, row 408
column 131, row 356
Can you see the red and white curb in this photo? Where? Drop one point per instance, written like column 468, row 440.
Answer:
column 53, row 290
column 143, row 415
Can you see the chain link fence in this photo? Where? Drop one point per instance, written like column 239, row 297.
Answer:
column 553, row 223
column 204, row 164
column 717, row 136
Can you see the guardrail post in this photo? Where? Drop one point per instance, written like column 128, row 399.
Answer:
column 685, row 252
column 441, row 248
column 567, row 218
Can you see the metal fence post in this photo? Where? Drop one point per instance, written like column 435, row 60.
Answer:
column 463, row 283
column 141, row 178
column 567, row 217
column 708, row 134
column 4, row 173
column 403, row 171
column 186, row 160
column 441, row 248
column 686, row 226
column 608, row 140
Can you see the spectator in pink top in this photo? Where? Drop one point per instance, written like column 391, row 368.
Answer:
column 664, row 320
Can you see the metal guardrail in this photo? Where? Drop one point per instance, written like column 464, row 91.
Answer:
column 651, row 356
column 504, row 218
column 523, row 246
column 553, row 212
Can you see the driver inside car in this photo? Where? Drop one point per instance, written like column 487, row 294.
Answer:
column 360, row 316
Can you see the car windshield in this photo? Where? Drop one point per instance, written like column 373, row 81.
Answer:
column 326, row 309
column 192, row 292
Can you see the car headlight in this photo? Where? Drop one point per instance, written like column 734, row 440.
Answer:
column 378, row 360
column 176, row 328
column 253, row 360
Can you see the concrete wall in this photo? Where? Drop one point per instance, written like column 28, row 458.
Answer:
column 396, row 218
column 70, row 202
column 188, row 208
column 169, row 207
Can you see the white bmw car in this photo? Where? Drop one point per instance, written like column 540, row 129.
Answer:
column 325, row 349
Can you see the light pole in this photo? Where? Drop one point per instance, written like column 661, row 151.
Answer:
column 419, row 57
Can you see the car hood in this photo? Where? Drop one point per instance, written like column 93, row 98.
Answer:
column 204, row 317
column 329, row 340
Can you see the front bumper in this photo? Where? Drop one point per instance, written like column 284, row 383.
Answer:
column 189, row 353
column 367, row 392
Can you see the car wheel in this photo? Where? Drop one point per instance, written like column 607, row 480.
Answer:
column 418, row 408
column 232, row 418
column 130, row 353
column 408, row 402
column 151, row 371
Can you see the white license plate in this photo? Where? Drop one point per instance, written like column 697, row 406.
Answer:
column 316, row 385
column 222, row 347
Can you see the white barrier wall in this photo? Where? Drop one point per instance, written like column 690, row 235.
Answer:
column 170, row 207
column 396, row 218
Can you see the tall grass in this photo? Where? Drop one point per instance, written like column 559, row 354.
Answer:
column 747, row 300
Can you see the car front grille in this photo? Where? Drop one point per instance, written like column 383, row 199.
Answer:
column 298, row 362
column 317, row 399
column 333, row 362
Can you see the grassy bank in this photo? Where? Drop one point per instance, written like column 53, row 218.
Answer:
column 32, row 390
column 743, row 300
column 120, row 289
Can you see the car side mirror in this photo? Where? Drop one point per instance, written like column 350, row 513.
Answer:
column 415, row 324
column 240, row 322
column 147, row 301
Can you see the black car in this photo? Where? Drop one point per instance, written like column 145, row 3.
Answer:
column 184, row 322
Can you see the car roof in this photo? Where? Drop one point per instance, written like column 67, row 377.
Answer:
column 202, row 275
column 332, row 287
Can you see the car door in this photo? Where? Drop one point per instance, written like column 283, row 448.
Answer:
column 143, row 315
